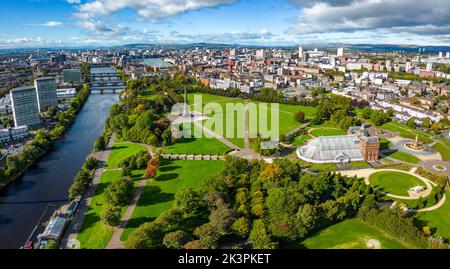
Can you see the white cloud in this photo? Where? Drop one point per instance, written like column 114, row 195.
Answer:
column 73, row 1
column 426, row 17
column 53, row 24
column 49, row 24
column 150, row 9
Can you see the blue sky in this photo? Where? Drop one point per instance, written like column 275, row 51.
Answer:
column 36, row 23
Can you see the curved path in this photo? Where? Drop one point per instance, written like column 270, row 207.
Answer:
column 366, row 173
column 431, row 208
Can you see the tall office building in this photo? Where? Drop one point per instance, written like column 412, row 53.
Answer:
column 25, row 107
column 440, row 54
column 408, row 66
column 429, row 66
column 300, row 52
column 46, row 93
column 340, row 52
column 72, row 76
column 447, row 55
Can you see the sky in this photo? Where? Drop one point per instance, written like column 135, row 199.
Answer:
column 71, row 23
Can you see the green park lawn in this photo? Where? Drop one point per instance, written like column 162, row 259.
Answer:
column 443, row 150
column 403, row 156
column 301, row 139
column 407, row 132
column 122, row 151
column 197, row 146
column 158, row 195
column 396, row 183
column 359, row 164
column 286, row 122
column 445, row 141
column 438, row 220
column 147, row 97
column 351, row 234
column 327, row 132
column 93, row 233
column 385, row 143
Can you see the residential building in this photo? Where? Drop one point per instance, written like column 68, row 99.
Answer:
column 25, row 107
column 72, row 76
column 46, row 93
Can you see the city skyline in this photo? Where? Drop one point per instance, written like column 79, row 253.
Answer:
column 72, row 23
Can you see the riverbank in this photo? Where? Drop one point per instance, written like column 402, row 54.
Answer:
column 43, row 142
column 24, row 200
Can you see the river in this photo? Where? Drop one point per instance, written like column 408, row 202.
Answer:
column 23, row 201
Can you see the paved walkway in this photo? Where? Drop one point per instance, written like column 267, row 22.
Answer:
column 246, row 134
column 115, row 242
column 218, row 137
column 365, row 173
column 69, row 238
column 431, row 208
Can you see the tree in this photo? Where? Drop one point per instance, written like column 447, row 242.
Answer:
column 366, row 112
column 299, row 116
column 176, row 240
column 120, row 191
column 167, row 137
column 208, row 236
column 150, row 172
column 259, row 236
column 435, row 127
column 51, row 244
column 272, row 173
column 426, row 230
column 100, row 144
column 190, row 200
column 426, row 123
column 111, row 215
column 241, row 227
column 411, row 122
column 155, row 161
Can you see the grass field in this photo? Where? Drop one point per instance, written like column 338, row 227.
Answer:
column 93, row 233
column 122, row 151
column 301, row 139
column 286, row 113
column 359, row 164
column 407, row 132
column 384, row 143
column 396, row 183
column 438, row 220
column 445, row 141
column 197, row 146
column 403, row 156
column 327, row 132
column 351, row 234
column 443, row 150
column 158, row 194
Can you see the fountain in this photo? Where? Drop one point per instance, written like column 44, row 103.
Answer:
column 416, row 145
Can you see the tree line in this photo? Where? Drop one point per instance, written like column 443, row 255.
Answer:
column 251, row 204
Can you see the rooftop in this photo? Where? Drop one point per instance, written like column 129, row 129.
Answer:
column 26, row 88
column 103, row 70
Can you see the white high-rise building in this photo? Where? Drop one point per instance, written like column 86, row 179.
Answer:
column 25, row 106
column 429, row 66
column 440, row 54
column 300, row 52
column 408, row 66
column 340, row 52
column 447, row 55
column 46, row 93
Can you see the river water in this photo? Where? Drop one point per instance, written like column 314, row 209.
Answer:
column 23, row 201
